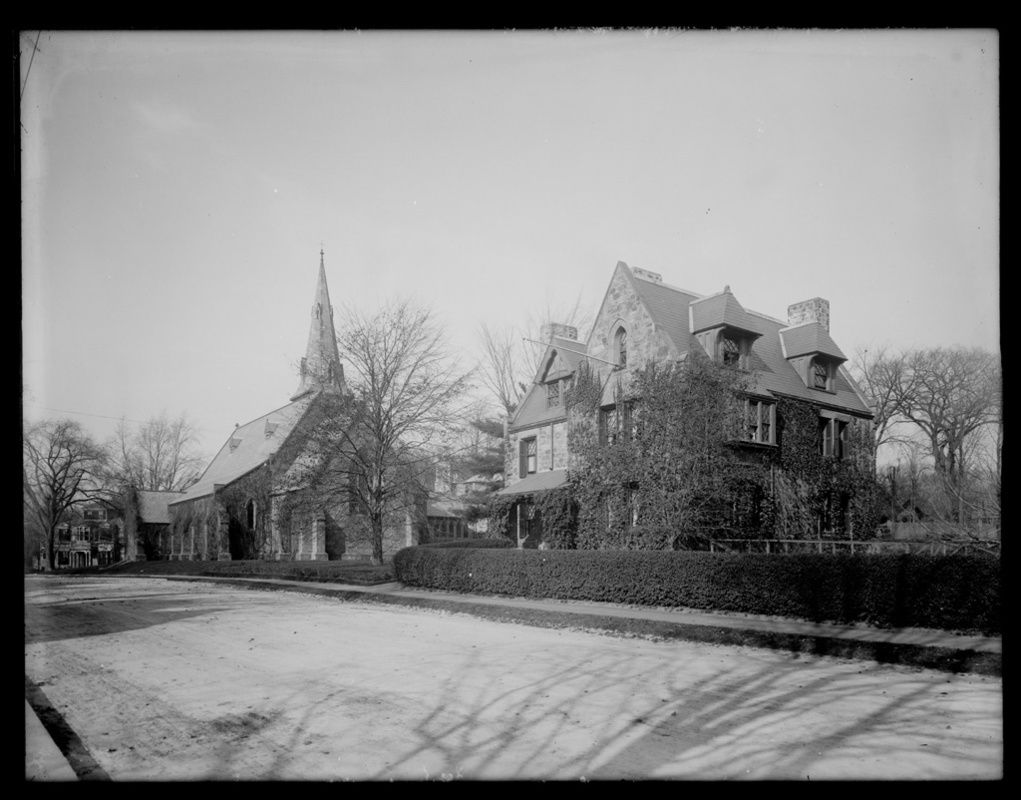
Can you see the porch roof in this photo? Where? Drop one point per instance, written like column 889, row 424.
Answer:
column 537, row 482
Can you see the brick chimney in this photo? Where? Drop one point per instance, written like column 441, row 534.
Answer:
column 551, row 329
column 814, row 310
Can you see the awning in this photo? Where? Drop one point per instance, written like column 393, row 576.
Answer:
column 538, row 482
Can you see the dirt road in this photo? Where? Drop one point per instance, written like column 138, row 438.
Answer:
column 170, row 680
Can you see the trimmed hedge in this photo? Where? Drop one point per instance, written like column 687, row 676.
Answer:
column 361, row 573
column 485, row 544
column 886, row 590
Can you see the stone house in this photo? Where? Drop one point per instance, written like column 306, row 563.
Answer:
column 249, row 502
column 644, row 320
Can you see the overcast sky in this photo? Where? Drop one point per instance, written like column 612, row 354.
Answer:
column 178, row 187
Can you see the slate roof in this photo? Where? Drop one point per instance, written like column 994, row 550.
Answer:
column 668, row 307
column 253, row 447
column 808, row 338
column 153, row 506
column 674, row 310
column 716, row 310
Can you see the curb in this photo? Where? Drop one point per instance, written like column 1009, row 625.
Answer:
column 974, row 655
column 58, row 753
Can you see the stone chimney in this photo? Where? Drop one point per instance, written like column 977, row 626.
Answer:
column 551, row 329
column 638, row 272
column 814, row 310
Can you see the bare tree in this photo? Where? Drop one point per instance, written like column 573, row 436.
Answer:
column 946, row 404
column 160, row 455
column 510, row 354
column 62, row 467
column 879, row 372
column 408, row 394
column 500, row 370
column 950, row 395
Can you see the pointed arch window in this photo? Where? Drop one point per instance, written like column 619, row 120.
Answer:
column 620, row 347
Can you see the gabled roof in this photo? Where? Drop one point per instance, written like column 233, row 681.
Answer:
column 153, row 506
column 807, row 339
column 249, row 446
column 672, row 310
column 568, row 352
column 533, row 405
column 668, row 307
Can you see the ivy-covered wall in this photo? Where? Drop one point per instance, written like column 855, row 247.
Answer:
column 673, row 472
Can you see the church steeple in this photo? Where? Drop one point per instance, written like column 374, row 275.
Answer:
column 321, row 367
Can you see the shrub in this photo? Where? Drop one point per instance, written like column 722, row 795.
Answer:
column 486, row 544
column 948, row 592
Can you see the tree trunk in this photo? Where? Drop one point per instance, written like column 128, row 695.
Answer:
column 376, row 521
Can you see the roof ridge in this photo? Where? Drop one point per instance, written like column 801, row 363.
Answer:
column 802, row 324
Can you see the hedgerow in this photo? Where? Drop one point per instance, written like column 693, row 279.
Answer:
column 945, row 592
column 485, row 544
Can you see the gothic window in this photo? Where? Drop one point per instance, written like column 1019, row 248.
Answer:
column 620, row 347
column 250, row 515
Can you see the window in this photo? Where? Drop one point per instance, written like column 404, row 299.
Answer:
column 528, row 457
column 620, row 347
column 81, row 533
column 619, row 423
column 633, row 505
column 834, row 437
column 760, row 418
column 821, row 375
column 553, row 394
column 730, row 351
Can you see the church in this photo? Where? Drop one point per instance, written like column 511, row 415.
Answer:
column 250, row 502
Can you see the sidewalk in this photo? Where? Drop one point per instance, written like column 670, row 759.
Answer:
column 43, row 759
column 919, row 647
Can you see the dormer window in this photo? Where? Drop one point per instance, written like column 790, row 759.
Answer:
column 822, row 374
column 732, row 348
column 730, row 351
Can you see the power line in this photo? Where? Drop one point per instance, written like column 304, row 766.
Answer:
column 102, row 416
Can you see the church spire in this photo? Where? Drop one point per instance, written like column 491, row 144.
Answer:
column 321, row 367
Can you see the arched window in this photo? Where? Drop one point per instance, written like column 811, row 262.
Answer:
column 620, row 347
column 250, row 514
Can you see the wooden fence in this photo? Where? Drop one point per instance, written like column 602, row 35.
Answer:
column 852, row 546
